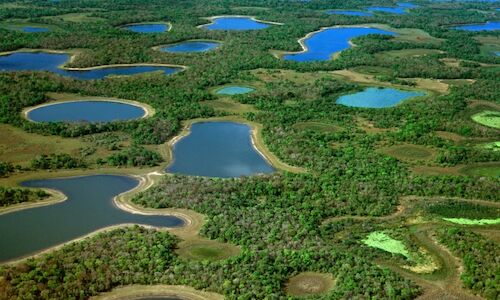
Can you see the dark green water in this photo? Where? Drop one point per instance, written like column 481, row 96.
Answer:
column 89, row 207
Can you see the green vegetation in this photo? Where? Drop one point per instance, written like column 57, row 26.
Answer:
column 463, row 221
column 135, row 156
column 10, row 196
column 5, row 168
column 491, row 170
column 206, row 250
column 56, row 161
column 462, row 209
column 382, row 241
column 488, row 118
column 309, row 283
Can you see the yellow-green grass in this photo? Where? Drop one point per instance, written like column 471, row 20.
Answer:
column 408, row 53
column 230, row 106
column 494, row 146
column 19, row 147
column 315, row 126
column 309, row 284
column 488, row 118
column 135, row 292
column 409, row 152
column 465, row 221
column 200, row 249
column 488, row 170
column 381, row 240
column 372, row 70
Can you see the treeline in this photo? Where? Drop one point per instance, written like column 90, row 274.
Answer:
column 6, row 168
column 135, row 156
column 57, row 161
column 11, row 196
column 480, row 257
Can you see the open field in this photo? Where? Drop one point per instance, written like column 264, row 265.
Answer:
column 488, row 118
column 203, row 249
column 410, row 152
column 230, row 106
column 408, row 53
column 309, row 283
column 75, row 17
column 384, row 242
column 135, row 292
column 315, row 126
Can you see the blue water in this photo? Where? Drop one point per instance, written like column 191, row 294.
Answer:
column 147, row 28
column 387, row 9
column 86, row 111
column 488, row 26
column 350, row 13
column 235, row 23
column 235, row 90
column 40, row 61
column 191, row 46
column 89, row 207
column 377, row 97
column 497, row 53
column 407, row 5
column 323, row 44
column 218, row 149
column 35, row 29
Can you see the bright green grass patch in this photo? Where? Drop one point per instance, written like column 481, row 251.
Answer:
column 382, row 241
column 494, row 146
column 464, row 221
column 315, row 126
column 488, row 118
column 484, row 170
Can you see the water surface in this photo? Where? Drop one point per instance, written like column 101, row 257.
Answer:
column 89, row 207
column 148, row 28
column 488, row 26
column 86, row 111
column 387, row 9
column 235, row 23
column 190, row 46
column 218, row 149
column 377, row 97
column 234, row 90
column 323, row 44
column 51, row 62
column 34, row 29
column 350, row 13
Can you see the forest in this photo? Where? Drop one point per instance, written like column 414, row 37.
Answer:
column 285, row 223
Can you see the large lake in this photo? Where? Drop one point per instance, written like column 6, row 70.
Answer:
column 218, row 149
column 51, row 62
column 89, row 207
column 190, row 46
column 148, row 27
column 235, row 23
column 488, row 26
column 377, row 97
column 86, row 111
column 323, row 44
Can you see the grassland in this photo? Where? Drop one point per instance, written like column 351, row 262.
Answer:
column 384, row 242
column 408, row 53
column 488, row 118
column 229, row 106
column 410, row 152
column 203, row 249
column 464, row 221
column 309, row 283
column 315, row 126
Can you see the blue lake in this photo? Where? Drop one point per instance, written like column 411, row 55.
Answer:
column 35, row 29
column 377, row 97
column 234, row 90
column 488, row 26
column 407, row 5
column 350, row 13
column 86, row 111
column 235, row 23
column 89, row 207
column 218, row 149
column 51, row 62
column 388, row 9
column 323, row 44
column 190, row 46
column 148, row 28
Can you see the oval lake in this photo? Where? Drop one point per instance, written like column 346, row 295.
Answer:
column 377, row 97
column 234, row 90
column 235, row 23
column 190, row 46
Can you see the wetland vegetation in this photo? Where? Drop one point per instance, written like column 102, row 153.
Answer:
column 419, row 178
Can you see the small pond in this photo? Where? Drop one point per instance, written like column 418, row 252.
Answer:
column 488, row 26
column 89, row 207
column 234, row 90
column 235, row 23
column 190, row 46
column 148, row 27
column 86, row 111
column 31, row 29
column 377, row 97
column 323, row 44
column 218, row 149
column 51, row 62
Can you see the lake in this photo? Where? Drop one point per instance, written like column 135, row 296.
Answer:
column 234, row 90
column 51, row 62
column 488, row 26
column 350, row 13
column 377, row 97
column 321, row 45
column 86, row 111
column 89, row 207
column 31, row 29
column 218, row 149
column 235, row 23
column 190, row 46
column 148, row 27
